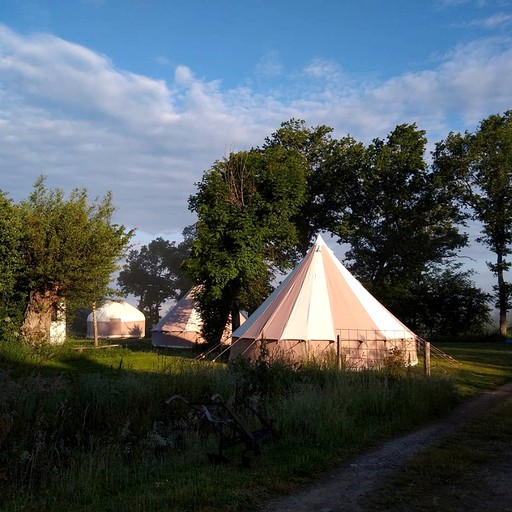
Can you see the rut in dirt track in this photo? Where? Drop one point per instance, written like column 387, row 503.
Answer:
column 347, row 487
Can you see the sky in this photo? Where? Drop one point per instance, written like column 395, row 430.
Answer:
column 140, row 97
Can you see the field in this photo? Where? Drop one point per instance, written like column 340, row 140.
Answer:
column 91, row 430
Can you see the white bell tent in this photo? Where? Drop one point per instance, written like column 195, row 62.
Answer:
column 181, row 326
column 319, row 308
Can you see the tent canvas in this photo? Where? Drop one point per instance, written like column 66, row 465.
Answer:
column 181, row 325
column 117, row 319
column 319, row 306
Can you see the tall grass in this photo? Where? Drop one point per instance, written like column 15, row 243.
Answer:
column 93, row 440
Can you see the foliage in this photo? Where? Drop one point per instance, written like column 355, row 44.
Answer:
column 153, row 274
column 12, row 296
column 447, row 303
column 70, row 249
column 480, row 164
column 244, row 233
column 330, row 166
column 402, row 217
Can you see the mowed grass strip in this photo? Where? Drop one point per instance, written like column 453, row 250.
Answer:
column 479, row 367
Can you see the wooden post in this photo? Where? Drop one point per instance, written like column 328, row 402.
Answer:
column 427, row 358
column 338, row 360
column 235, row 318
column 94, row 325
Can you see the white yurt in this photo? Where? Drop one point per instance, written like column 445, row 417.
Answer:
column 117, row 319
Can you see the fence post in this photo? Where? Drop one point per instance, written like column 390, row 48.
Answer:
column 426, row 346
column 95, row 325
column 338, row 362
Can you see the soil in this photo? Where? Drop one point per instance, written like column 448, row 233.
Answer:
column 358, row 485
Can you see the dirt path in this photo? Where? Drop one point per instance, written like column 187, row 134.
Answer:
column 349, row 487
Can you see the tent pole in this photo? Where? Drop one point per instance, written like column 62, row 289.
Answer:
column 223, row 352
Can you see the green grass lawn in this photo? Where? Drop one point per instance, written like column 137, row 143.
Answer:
column 79, row 356
column 90, row 430
column 479, row 367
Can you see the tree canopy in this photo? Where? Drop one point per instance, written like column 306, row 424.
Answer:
column 316, row 149
column 244, row 233
column 403, row 218
column 258, row 211
column 11, row 291
column 445, row 302
column 480, row 166
column 153, row 273
column 70, row 249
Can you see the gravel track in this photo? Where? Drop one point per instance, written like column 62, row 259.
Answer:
column 350, row 487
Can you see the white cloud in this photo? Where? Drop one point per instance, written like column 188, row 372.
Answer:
column 183, row 76
column 69, row 113
column 492, row 22
column 163, row 60
column 457, row 3
column 48, row 69
column 321, row 68
column 269, row 65
column 470, row 83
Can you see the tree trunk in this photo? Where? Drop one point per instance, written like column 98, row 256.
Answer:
column 38, row 317
column 95, row 325
column 502, row 294
column 235, row 318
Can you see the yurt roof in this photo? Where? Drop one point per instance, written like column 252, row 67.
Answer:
column 117, row 309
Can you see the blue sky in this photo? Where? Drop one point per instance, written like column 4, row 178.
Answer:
column 140, row 97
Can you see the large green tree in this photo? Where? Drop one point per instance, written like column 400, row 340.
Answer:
column 153, row 273
column 70, row 249
column 400, row 216
column 244, row 233
column 480, row 165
